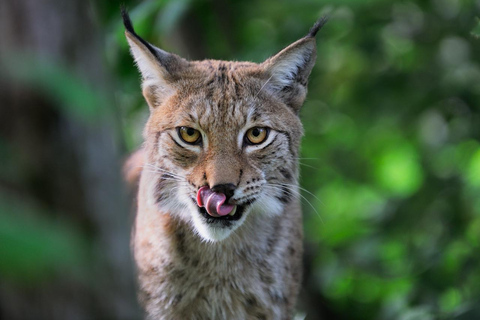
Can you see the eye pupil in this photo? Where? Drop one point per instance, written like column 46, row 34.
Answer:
column 256, row 135
column 189, row 135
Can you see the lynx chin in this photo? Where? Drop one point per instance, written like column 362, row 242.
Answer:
column 218, row 230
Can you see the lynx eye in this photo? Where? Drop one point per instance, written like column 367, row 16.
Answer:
column 256, row 135
column 189, row 135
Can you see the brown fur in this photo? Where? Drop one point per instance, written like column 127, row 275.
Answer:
column 132, row 169
column 246, row 269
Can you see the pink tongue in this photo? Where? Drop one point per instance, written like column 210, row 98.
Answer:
column 213, row 202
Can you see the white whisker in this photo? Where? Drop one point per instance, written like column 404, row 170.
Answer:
column 295, row 193
column 302, row 189
column 306, row 165
column 159, row 169
column 262, row 87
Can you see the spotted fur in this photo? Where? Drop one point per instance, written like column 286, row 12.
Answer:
column 192, row 266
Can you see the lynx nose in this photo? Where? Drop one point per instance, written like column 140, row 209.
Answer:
column 227, row 189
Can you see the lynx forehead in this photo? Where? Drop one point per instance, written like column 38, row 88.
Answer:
column 218, row 227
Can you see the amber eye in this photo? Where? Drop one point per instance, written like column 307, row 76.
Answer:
column 189, row 135
column 256, row 135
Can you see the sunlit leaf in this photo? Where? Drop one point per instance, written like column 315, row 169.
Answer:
column 450, row 300
column 473, row 170
column 398, row 170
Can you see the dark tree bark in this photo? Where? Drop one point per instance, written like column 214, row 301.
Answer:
column 65, row 162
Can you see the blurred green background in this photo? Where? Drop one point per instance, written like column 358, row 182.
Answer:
column 390, row 160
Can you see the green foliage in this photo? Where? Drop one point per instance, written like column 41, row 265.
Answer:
column 35, row 248
column 476, row 29
column 62, row 85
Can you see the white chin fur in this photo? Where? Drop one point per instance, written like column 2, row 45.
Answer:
column 265, row 205
column 212, row 233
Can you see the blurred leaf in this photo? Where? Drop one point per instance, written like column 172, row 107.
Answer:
column 341, row 285
column 367, row 288
column 473, row 170
column 34, row 248
column 473, row 232
column 171, row 14
column 73, row 95
column 476, row 30
column 417, row 313
column 346, row 220
column 450, row 300
column 398, row 171
column 455, row 255
column 394, row 257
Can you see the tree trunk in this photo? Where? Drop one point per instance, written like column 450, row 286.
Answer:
column 59, row 151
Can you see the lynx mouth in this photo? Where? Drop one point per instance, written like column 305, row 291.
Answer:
column 214, row 207
column 215, row 203
column 239, row 210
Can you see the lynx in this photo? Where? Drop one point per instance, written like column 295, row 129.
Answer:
column 218, row 230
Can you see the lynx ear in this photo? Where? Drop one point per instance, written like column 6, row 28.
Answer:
column 159, row 68
column 289, row 70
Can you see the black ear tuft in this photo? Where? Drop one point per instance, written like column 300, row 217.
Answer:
column 126, row 20
column 129, row 27
column 317, row 26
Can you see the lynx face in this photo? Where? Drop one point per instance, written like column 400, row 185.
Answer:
column 227, row 134
column 222, row 139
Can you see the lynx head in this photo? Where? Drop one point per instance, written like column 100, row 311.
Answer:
column 222, row 138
